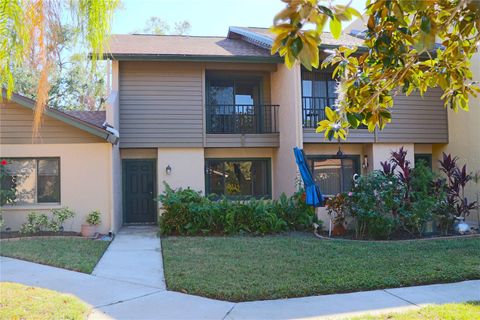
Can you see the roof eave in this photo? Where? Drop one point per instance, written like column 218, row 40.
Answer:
column 202, row 58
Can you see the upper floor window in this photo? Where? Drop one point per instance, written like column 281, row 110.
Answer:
column 35, row 180
column 317, row 84
column 237, row 91
column 318, row 92
column 234, row 105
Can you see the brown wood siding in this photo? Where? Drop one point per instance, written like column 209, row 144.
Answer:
column 16, row 123
column 160, row 104
column 414, row 120
column 246, row 140
column 417, row 120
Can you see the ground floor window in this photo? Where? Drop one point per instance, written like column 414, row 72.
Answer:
column 238, row 178
column 35, row 180
column 334, row 174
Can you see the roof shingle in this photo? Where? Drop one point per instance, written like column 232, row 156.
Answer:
column 96, row 118
column 123, row 44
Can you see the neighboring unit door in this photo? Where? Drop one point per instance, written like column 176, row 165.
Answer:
column 139, row 191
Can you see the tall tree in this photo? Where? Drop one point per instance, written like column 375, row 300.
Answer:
column 399, row 54
column 29, row 31
column 156, row 25
column 71, row 87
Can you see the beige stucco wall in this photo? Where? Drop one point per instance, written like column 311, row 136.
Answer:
column 331, row 149
column 187, row 168
column 239, row 152
column 139, row 153
column 286, row 92
column 421, row 148
column 85, row 182
column 381, row 152
column 464, row 137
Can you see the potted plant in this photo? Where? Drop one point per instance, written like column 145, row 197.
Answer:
column 93, row 220
column 336, row 207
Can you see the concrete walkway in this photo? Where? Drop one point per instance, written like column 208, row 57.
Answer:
column 128, row 283
column 134, row 256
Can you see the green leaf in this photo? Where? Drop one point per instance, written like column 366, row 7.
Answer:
column 329, row 134
column 426, row 25
column 335, row 28
column 326, row 11
column 352, row 120
column 297, row 46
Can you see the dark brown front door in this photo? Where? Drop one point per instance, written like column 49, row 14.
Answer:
column 139, row 191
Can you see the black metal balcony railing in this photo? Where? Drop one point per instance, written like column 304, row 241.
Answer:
column 242, row 118
column 313, row 111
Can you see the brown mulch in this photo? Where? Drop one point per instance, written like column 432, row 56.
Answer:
column 17, row 234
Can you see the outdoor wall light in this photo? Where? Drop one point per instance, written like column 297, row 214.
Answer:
column 365, row 162
column 168, row 170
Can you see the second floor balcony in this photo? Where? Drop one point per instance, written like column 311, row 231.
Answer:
column 241, row 119
column 313, row 110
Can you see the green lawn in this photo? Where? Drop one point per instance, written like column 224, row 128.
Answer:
column 69, row 253
column 252, row 268
column 454, row 311
column 23, row 302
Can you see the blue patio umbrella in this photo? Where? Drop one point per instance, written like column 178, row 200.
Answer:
column 313, row 195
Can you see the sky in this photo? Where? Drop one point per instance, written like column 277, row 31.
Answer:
column 207, row 17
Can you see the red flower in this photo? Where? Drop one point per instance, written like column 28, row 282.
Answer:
column 303, row 196
column 4, row 162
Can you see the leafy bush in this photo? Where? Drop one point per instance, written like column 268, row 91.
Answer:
column 187, row 212
column 424, row 199
column 94, row 218
column 457, row 179
column 403, row 199
column 35, row 223
column 40, row 222
column 374, row 203
column 59, row 216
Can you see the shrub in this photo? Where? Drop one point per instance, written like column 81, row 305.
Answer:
column 424, row 199
column 457, row 179
column 375, row 203
column 402, row 198
column 187, row 212
column 35, row 223
column 94, row 218
column 59, row 216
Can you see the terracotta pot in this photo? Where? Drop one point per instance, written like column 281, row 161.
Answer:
column 88, row 230
column 339, row 230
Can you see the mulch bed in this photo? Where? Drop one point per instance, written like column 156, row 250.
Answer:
column 17, row 234
column 350, row 236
